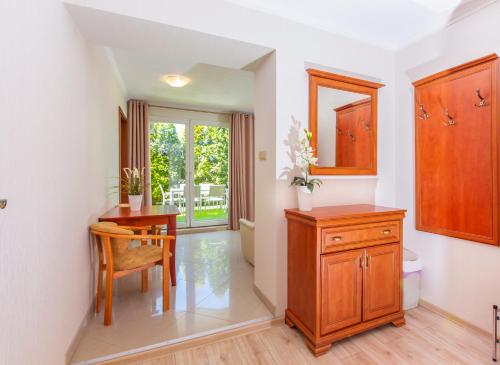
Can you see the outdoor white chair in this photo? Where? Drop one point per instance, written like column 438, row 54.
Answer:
column 178, row 197
column 217, row 196
column 165, row 196
column 197, row 196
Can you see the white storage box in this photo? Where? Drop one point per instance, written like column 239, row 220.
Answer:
column 412, row 268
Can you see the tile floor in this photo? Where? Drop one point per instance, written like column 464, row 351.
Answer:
column 214, row 290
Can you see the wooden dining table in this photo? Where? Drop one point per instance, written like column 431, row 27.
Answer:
column 149, row 215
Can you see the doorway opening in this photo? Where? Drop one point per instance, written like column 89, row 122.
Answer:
column 190, row 132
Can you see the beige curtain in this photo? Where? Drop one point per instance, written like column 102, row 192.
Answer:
column 241, row 185
column 138, row 142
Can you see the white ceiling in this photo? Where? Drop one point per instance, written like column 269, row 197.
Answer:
column 211, row 87
column 390, row 24
column 143, row 51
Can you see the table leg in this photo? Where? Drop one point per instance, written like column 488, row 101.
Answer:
column 144, row 273
column 171, row 231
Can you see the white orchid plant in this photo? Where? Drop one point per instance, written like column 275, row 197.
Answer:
column 133, row 181
column 304, row 159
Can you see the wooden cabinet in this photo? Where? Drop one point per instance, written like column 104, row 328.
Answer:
column 457, row 149
column 354, row 137
column 344, row 271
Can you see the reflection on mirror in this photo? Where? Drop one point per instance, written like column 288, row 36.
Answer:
column 343, row 121
column 344, row 128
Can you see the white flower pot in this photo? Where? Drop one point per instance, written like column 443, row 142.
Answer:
column 305, row 198
column 135, row 202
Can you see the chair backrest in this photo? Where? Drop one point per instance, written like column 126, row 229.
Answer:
column 217, row 190
column 197, row 190
column 118, row 245
column 162, row 191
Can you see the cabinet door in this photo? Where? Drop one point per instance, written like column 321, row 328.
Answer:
column 341, row 290
column 382, row 289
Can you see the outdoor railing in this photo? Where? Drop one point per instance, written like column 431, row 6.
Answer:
column 206, row 197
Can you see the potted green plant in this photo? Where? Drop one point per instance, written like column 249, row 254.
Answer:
column 304, row 159
column 134, row 186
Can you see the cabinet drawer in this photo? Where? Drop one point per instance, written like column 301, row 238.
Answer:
column 384, row 232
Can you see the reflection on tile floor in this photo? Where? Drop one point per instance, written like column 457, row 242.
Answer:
column 214, row 289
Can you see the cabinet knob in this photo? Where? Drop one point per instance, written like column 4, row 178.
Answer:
column 386, row 231
column 336, row 238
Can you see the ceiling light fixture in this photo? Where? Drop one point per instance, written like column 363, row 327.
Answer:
column 175, row 80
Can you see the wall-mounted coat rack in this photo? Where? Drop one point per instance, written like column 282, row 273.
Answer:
column 457, row 173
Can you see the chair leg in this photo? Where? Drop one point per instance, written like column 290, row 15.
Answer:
column 108, row 298
column 144, row 273
column 144, row 281
column 99, row 289
column 166, row 285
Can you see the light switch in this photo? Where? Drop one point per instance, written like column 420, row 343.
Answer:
column 262, row 155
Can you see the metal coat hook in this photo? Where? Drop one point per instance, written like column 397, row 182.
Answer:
column 450, row 120
column 365, row 125
column 353, row 137
column 424, row 114
column 482, row 101
column 339, row 131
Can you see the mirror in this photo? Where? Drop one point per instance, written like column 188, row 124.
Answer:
column 342, row 119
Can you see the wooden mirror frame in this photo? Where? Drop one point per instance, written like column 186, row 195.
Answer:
column 322, row 78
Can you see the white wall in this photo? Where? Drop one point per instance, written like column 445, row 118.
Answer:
column 459, row 276
column 295, row 45
column 265, row 187
column 58, row 153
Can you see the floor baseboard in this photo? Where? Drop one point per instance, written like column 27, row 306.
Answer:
column 181, row 231
column 78, row 335
column 269, row 305
column 452, row 317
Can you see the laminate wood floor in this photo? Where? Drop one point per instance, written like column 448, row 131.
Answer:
column 427, row 338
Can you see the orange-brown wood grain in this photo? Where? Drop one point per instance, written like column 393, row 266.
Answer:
column 149, row 215
column 341, row 290
column 382, row 281
column 368, row 165
column 457, row 155
column 340, row 287
column 354, row 135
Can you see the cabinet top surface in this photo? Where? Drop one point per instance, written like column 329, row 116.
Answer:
column 344, row 211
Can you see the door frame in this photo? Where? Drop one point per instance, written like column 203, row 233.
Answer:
column 192, row 124
column 189, row 124
column 122, row 153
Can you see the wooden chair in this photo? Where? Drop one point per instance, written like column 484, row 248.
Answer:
column 117, row 259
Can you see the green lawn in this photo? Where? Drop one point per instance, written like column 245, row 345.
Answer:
column 205, row 214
